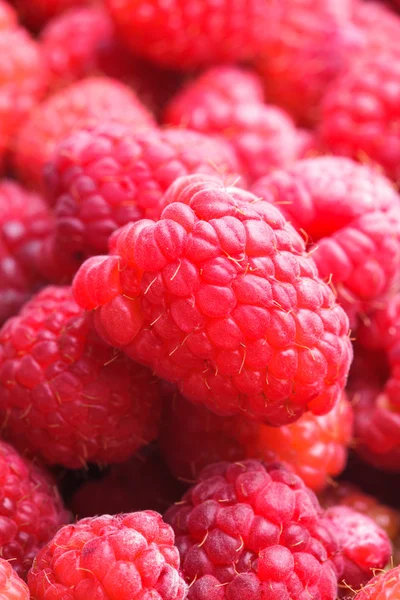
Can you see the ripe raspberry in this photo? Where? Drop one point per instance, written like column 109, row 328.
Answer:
column 365, row 546
column 366, row 15
column 11, row 586
column 64, row 395
column 35, row 13
column 23, row 82
column 352, row 215
column 84, row 103
column 8, row 17
column 187, row 34
column 25, row 222
column 106, row 176
column 126, row 556
column 314, row 447
column 220, row 297
column 385, row 586
column 252, row 531
column 263, row 136
column 31, row 510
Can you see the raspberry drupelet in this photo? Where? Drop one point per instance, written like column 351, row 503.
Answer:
column 8, row 17
column 64, row 394
column 220, row 297
column 247, row 531
column 385, row 586
column 31, row 509
column 315, row 447
column 12, row 587
column 350, row 214
column 108, row 558
column 85, row 102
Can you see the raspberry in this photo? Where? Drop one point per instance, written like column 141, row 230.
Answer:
column 314, row 447
column 247, row 531
column 365, row 546
column 352, row 215
column 263, row 136
column 23, row 81
column 187, row 34
column 365, row 16
column 385, row 586
column 220, row 297
column 124, row 556
column 64, row 395
column 104, row 177
column 36, row 12
column 86, row 102
column 25, row 222
column 11, row 586
column 31, row 510
column 360, row 109
column 8, row 17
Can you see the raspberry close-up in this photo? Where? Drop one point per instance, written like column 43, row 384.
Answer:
column 12, row 587
column 220, row 297
column 35, row 13
column 66, row 396
column 385, row 586
column 108, row 557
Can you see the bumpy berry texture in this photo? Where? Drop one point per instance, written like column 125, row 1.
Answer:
column 365, row 546
column 35, row 13
column 83, row 103
column 31, row 510
column 220, row 297
column 246, row 531
column 385, row 586
column 23, row 82
column 104, row 177
column 25, row 223
column 228, row 102
column 66, row 396
column 314, row 447
column 11, row 586
column 124, row 556
column 192, row 33
column 351, row 215
column 366, row 15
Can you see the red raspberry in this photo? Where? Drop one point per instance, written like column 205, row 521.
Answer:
column 263, row 136
column 8, row 17
column 30, row 511
column 64, row 394
column 124, row 556
column 187, row 34
column 352, row 215
column 366, row 15
column 220, row 297
column 23, row 81
column 365, row 546
column 11, row 586
column 84, row 103
column 36, row 12
column 248, row 531
column 314, row 447
column 385, row 586
column 25, row 222
column 106, row 176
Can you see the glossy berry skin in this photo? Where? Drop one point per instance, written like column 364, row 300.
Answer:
column 248, row 531
column 350, row 214
column 365, row 546
column 104, row 177
column 64, row 395
column 315, row 447
column 385, row 586
column 25, row 223
column 12, row 587
column 31, row 509
column 220, row 297
column 83, row 103
column 35, row 13
column 263, row 136
column 107, row 557
column 190, row 34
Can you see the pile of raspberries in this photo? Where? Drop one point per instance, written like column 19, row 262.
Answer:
column 199, row 300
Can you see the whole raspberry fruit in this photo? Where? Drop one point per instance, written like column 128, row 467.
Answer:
column 385, row 586
column 314, row 447
column 64, row 394
column 247, row 531
column 25, row 222
column 83, row 103
column 187, row 34
column 263, row 136
column 103, row 177
column 220, row 297
column 124, row 556
column 351, row 217
column 11, row 586
column 31, row 509
column 35, row 13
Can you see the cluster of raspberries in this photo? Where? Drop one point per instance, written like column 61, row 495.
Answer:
column 199, row 300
